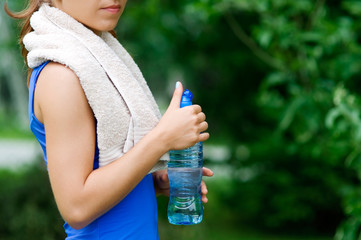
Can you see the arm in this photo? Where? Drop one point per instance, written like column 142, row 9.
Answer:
column 82, row 194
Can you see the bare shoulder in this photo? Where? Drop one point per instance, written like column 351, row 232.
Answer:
column 54, row 72
column 57, row 82
column 58, row 88
column 56, row 79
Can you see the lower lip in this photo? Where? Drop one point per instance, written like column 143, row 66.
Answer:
column 112, row 10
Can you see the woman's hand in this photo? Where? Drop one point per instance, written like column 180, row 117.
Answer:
column 161, row 183
column 181, row 128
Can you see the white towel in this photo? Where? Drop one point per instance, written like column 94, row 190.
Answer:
column 119, row 96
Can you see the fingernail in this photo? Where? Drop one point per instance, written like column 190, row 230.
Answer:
column 177, row 84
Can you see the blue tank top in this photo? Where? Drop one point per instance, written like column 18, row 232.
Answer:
column 134, row 218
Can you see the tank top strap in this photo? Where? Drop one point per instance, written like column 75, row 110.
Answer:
column 33, row 79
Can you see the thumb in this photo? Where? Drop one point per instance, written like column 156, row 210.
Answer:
column 177, row 96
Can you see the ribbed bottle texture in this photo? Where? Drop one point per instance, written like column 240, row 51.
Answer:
column 185, row 176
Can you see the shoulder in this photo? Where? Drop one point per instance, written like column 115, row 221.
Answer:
column 56, row 71
column 56, row 78
column 58, row 90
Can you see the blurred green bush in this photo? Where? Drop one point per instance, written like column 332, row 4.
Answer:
column 278, row 80
column 27, row 207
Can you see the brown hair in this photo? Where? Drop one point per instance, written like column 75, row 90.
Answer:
column 24, row 16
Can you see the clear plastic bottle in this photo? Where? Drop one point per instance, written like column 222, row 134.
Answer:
column 185, row 176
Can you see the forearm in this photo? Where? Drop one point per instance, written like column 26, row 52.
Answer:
column 103, row 188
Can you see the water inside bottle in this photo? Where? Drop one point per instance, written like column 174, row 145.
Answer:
column 193, row 153
column 185, row 176
column 185, row 203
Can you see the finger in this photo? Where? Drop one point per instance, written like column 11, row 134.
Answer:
column 165, row 178
column 163, row 181
column 204, row 136
column 204, row 199
column 196, row 109
column 177, row 96
column 201, row 117
column 165, row 184
column 203, row 126
column 207, row 172
column 204, row 189
column 204, row 192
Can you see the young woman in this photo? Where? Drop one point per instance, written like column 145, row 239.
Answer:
column 97, row 122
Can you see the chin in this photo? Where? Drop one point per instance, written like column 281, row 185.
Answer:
column 106, row 27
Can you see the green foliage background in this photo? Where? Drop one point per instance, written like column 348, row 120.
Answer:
column 278, row 80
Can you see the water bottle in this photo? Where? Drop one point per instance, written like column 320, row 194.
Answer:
column 185, row 176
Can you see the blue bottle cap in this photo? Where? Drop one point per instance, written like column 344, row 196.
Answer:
column 186, row 98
